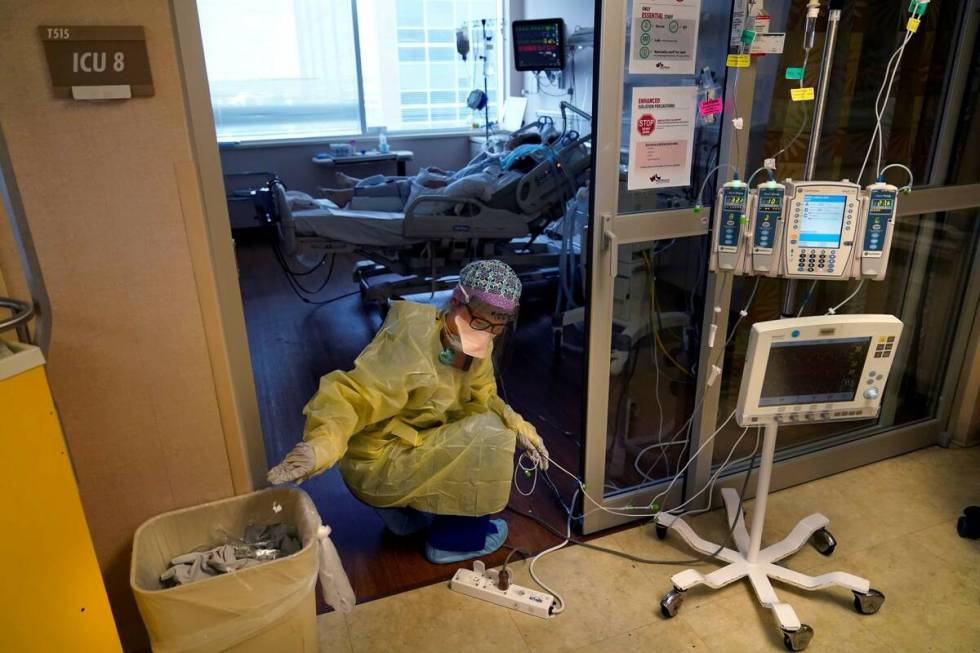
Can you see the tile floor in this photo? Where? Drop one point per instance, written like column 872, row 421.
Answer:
column 894, row 522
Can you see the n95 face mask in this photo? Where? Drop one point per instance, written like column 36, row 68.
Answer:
column 474, row 343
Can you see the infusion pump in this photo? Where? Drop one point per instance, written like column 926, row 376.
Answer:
column 832, row 230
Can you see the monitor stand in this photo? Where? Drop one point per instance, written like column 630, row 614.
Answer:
column 760, row 565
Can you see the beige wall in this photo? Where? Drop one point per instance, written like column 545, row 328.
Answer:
column 129, row 362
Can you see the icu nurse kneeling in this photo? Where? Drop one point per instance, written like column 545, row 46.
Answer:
column 417, row 426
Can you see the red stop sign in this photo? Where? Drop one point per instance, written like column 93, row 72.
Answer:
column 646, row 124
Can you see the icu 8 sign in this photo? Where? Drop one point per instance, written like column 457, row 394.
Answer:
column 94, row 57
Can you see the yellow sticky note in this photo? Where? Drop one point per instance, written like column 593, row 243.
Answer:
column 802, row 94
column 912, row 25
column 738, row 61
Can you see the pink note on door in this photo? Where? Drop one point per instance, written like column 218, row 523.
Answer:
column 711, row 107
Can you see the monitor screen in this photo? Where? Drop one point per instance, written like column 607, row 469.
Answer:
column 813, row 371
column 823, row 218
column 539, row 44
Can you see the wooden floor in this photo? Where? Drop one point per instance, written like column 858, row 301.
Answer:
column 293, row 344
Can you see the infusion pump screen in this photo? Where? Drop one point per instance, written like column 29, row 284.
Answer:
column 823, row 219
column 813, row 371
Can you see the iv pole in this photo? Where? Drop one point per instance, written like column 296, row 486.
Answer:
column 486, row 94
column 826, row 64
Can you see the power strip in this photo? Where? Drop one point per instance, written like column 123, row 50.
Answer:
column 482, row 584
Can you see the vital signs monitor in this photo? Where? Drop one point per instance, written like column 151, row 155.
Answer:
column 815, row 369
column 539, row 44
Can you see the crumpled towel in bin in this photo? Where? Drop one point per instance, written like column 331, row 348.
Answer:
column 198, row 565
column 260, row 544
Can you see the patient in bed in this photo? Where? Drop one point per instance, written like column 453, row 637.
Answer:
column 477, row 180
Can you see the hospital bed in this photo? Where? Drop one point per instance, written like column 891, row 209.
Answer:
column 436, row 236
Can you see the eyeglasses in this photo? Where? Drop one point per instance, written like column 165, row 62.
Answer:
column 478, row 323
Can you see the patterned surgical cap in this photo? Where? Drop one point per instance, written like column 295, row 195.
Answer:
column 492, row 282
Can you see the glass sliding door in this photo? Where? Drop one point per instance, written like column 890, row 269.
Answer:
column 648, row 274
column 649, row 401
column 933, row 255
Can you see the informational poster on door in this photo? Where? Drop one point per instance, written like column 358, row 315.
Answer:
column 661, row 136
column 664, row 37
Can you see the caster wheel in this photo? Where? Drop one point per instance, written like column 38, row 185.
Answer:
column 797, row 640
column 868, row 603
column 823, row 542
column 661, row 532
column 968, row 525
column 671, row 603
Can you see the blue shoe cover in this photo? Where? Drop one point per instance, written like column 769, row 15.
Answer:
column 494, row 542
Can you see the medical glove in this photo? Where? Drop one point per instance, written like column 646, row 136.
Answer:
column 527, row 435
column 530, row 441
column 298, row 465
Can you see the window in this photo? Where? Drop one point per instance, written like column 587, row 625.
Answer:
column 273, row 74
column 289, row 69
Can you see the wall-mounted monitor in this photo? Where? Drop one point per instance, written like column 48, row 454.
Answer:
column 539, row 44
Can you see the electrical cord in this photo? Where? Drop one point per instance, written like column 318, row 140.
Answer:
column 524, row 554
column 693, row 457
column 313, row 269
column 560, row 601
column 731, row 336
column 298, row 291
column 685, row 426
column 741, row 314
column 833, row 311
column 639, row 559
column 550, row 84
column 300, row 286
column 751, row 457
column 713, row 478
column 651, row 280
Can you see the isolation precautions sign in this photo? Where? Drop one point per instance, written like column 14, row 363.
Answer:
column 664, row 37
column 91, row 62
column 661, row 136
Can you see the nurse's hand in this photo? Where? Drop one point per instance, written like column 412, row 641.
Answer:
column 296, row 466
column 531, row 442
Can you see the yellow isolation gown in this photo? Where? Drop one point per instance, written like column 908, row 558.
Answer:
column 408, row 430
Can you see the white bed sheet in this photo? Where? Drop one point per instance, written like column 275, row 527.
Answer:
column 368, row 228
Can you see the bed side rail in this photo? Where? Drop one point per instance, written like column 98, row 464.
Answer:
column 471, row 219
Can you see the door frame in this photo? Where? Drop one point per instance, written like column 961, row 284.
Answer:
column 202, row 191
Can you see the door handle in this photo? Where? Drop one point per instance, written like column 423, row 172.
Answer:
column 611, row 243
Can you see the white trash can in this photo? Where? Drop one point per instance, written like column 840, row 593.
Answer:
column 268, row 607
